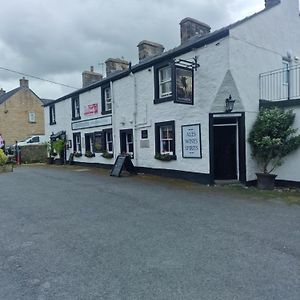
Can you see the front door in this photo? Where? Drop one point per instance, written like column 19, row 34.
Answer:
column 126, row 141
column 225, row 151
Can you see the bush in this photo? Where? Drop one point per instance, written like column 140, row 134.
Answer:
column 3, row 158
column 272, row 138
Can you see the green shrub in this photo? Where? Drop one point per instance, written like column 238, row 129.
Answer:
column 3, row 158
column 272, row 137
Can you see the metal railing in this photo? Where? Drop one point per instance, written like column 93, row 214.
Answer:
column 281, row 84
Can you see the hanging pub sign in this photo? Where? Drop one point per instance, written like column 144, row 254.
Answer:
column 191, row 141
column 91, row 109
column 184, row 85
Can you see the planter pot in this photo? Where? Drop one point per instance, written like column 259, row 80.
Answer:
column 50, row 160
column 265, row 181
column 58, row 161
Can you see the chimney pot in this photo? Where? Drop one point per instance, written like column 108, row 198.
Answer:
column 270, row 3
column 24, row 82
column 115, row 64
column 90, row 77
column 149, row 49
column 190, row 27
column 2, row 92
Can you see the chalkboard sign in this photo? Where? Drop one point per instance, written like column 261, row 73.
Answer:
column 121, row 162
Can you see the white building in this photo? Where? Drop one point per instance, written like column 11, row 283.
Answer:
column 168, row 111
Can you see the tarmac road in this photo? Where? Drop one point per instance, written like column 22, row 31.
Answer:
column 68, row 233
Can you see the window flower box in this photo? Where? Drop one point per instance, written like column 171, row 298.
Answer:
column 89, row 154
column 107, row 155
column 77, row 154
column 164, row 157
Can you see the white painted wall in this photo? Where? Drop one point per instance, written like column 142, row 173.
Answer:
column 257, row 46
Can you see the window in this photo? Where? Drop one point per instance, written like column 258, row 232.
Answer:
column 52, row 114
column 35, row 139
column 77, row 142
column 89, row 142
column 106, row 100
column 108, row 140
column 98, row 142
column 165, row 82
column 75, row 108
column 144, row 134
column 31, row 117
column 165, row 138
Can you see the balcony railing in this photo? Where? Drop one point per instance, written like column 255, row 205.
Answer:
column 282, row 84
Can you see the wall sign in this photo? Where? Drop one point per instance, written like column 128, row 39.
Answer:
column 191, row 141
column 184, row 85
column 91, row 109
column 91, row 123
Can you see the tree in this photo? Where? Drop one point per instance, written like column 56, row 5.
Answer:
column 272, row 137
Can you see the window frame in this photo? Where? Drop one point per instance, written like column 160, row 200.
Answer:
column 106, row 142
column 77, row 147
column 158, row 139
column 75, row 103
column 104, row 109
column 89, row 142
column 52, row 114
column 157, row 82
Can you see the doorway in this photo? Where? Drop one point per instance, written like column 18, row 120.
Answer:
column 227, row 147
column 126, row 142
column 225, row 151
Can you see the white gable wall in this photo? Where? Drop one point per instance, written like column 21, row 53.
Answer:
column 257, row 46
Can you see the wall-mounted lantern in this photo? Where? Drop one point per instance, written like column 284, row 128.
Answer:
column 229, row 104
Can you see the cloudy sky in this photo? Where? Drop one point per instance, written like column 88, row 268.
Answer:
column 58, row 39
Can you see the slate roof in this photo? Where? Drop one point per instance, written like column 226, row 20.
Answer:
column 46, row 101
column 194, row 42
column 7, row 95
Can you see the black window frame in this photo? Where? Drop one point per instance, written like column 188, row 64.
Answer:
column 103, row 104
column 87, row 138
column 75, row 99
column 104, row 135
column 98, row 134
column 144, row 134
column 52, row 114
column 158, row 140
column 75, row 144
column 157, row 68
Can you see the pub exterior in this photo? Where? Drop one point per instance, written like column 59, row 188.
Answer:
column 187, row 112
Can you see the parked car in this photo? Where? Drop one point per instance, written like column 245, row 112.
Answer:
column 32, row 140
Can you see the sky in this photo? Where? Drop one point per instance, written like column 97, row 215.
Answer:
column 58, row 39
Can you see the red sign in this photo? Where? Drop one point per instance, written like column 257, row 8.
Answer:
column 91, row 109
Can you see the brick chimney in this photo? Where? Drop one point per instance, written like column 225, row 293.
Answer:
column 115, row 64
column 270, row 3
column 89, row 77
column 149, row 49
column 2, row 92
column 190, row 27
column 24, row 82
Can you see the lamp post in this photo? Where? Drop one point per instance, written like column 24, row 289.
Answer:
column 229, row 104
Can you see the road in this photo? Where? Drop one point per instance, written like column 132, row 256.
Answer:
column 71, row 233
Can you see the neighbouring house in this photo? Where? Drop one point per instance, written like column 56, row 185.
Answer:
column 21, row 113
column 187, row 112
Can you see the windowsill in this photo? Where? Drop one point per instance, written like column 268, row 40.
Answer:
column 76, row 118
column 165, row 157
column 161, row 100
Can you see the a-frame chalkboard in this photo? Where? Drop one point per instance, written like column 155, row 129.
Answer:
column 122, row 161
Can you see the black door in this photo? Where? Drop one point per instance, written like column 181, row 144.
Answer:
column 225, row 156
column 126, row 141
